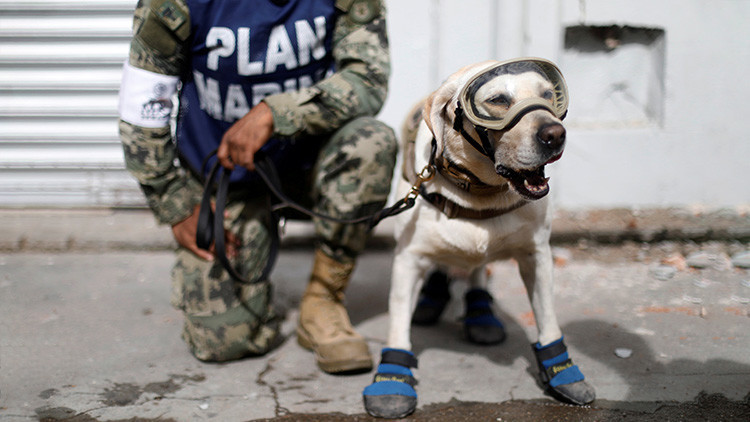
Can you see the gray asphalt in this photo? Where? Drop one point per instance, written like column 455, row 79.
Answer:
column 87, row 333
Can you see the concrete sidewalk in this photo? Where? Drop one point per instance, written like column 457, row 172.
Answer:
column 87, row 334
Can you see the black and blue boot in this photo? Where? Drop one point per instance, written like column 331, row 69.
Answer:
column 562, row 379
column 392, row 394
column 481, row 326
column 433, row 298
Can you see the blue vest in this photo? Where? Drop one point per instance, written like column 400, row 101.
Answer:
column 240, row 52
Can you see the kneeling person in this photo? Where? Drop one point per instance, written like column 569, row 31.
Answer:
column 297, row 81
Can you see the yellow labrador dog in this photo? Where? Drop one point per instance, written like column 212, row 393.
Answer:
column 476, row 166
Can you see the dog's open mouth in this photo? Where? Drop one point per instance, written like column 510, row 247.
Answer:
column 531, row 184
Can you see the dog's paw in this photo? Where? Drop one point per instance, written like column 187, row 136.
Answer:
column 579, row 393
column 481, row 326
column 392, row 394
column 560, row 376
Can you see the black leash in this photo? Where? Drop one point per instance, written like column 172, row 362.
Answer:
column 211, row 226
column 211, row 223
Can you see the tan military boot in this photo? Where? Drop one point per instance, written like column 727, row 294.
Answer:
column 324, row 325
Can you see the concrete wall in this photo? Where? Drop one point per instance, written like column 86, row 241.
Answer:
column 658, row 95
column 657, row 110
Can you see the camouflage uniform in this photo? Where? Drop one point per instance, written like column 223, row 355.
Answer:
column 224, row 319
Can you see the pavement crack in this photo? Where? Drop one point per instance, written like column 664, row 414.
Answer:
column 279, row 410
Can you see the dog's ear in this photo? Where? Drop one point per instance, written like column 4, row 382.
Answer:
column 436, row 113
column 439, row 110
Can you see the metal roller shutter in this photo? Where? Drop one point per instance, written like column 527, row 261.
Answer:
column 60, row 65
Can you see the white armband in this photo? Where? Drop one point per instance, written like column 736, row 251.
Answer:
column 146, row 97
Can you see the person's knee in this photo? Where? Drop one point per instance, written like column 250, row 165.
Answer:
column 358, row 162
column 372, row 138
column 232, row 335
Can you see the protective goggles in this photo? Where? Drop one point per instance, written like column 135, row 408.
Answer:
column 485, row 103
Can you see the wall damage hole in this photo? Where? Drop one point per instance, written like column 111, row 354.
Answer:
column 588, row 38
column 616, row 75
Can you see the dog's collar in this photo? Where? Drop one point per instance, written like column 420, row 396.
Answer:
column 463, row 180
column 454, row 210
column 461, row 177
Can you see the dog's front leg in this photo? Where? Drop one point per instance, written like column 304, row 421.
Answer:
column 406, row 281
column 557, row 372
column 536, row 271
column 392, row 394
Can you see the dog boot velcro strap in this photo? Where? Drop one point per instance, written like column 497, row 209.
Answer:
column 555, row 365
column 399, row 357
column 392, row 394
column 389, row 372
column 481, row 326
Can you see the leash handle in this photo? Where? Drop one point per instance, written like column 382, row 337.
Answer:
column 211, row 226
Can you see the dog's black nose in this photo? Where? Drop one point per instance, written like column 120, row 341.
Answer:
column 552, row 135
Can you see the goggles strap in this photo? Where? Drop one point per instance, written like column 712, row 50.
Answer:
column 485, row 137
column 458, row 126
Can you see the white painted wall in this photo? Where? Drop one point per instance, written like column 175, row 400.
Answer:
column 60, row 61
column 698, row 153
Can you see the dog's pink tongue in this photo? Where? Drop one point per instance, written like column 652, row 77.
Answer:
column 555, row 158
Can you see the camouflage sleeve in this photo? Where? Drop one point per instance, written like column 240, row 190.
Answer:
column 149, row 157
column 357, row 88
column 159, row 29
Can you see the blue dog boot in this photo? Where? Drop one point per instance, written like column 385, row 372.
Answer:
column 560, row 376
column 392, row 395
column 481, row 326
column 433, row 298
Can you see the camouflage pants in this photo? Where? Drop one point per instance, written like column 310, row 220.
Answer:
column 226, row 320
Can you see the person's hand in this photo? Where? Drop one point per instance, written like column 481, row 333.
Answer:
column 245, row 137
column 184, row 233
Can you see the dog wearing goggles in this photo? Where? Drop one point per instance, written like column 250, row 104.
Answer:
column 475, row 152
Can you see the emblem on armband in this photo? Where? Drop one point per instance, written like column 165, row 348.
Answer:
column 159, row 107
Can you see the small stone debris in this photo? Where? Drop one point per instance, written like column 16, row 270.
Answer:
column 663, row 272
column 623, row 352
column 741, row 260
column 701, row 260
